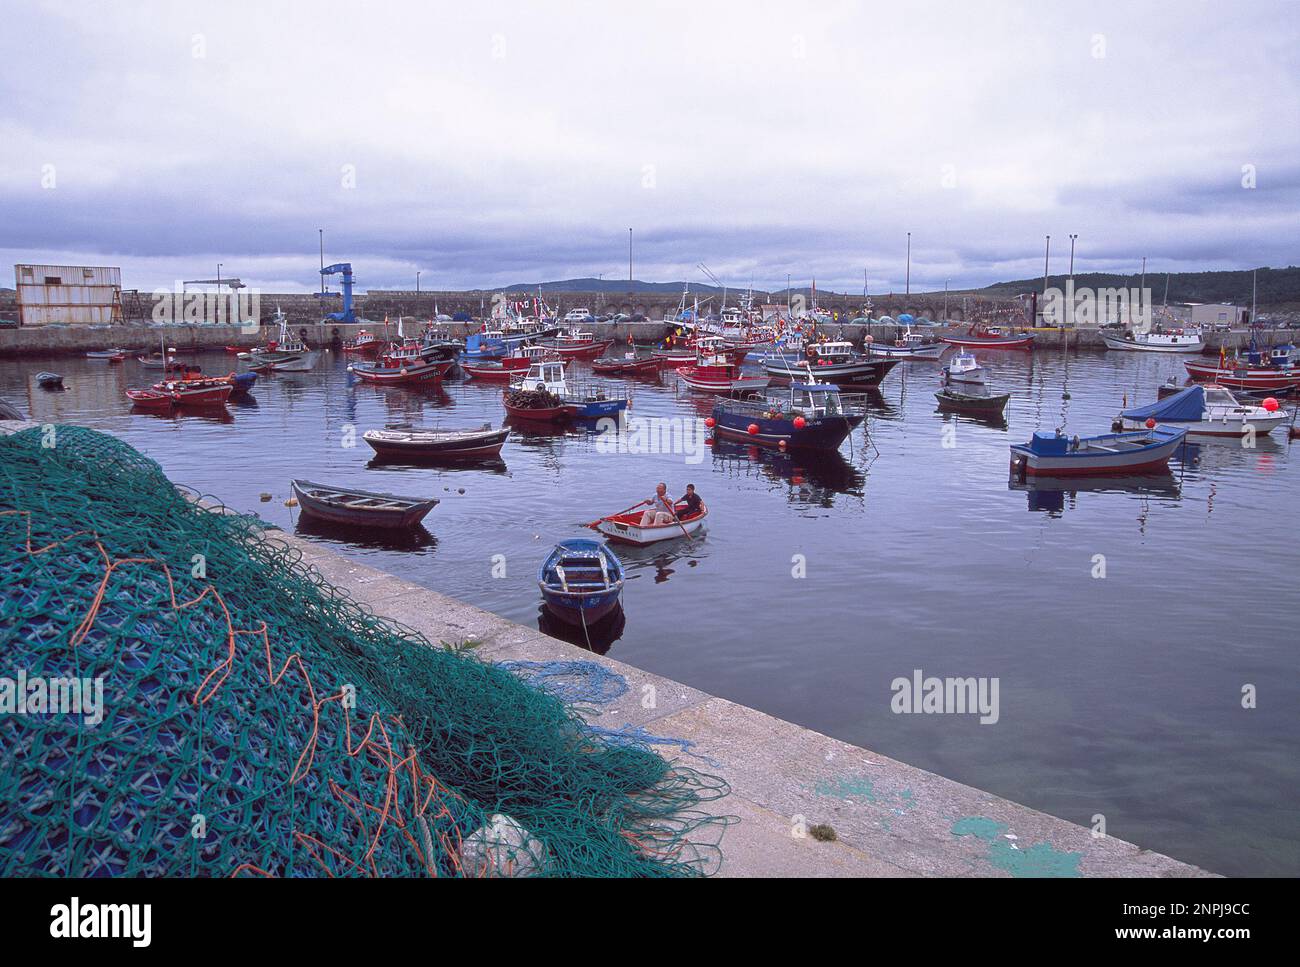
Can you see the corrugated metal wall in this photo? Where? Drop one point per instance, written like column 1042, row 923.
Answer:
column 66, row 294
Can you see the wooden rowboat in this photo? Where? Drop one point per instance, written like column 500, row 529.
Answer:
column 581, row 581
column 411, row 442
column 950, row 399
column 360, row 508
column 626, row 528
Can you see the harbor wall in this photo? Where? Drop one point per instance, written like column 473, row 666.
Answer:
column 76, row 340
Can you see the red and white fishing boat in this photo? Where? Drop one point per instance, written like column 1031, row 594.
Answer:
column 196, row 392
column 366, row 343
column 401, row 366
column 515, row 364
column 1233, row 375
column 991, row 337
column 715, row 372
column 577, row 344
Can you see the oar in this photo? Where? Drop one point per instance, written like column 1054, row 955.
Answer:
column 624, row 511
column 682, row 526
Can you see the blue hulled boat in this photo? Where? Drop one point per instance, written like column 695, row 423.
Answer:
column 581, row 581
column 807, row 415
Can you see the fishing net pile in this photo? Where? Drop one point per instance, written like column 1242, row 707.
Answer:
column 532, row 399
column 256, row 721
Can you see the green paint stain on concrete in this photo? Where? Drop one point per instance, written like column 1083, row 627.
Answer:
column 909, row 800
column 1039, row 860
column 847, row 787
column 980, row 827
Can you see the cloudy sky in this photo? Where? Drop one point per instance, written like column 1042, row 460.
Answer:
column 490, row 143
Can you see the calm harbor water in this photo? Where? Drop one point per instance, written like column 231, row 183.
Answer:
column 1119, row 695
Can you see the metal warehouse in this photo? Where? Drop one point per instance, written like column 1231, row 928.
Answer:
column 74, row 295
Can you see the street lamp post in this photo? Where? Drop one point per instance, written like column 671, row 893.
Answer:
column 1072, row 238
column 417, row 283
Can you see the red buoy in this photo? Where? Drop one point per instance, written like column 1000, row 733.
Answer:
column 1151, row 423
column 800, row 423
column 753, row 429
column 1270, row 404
column 710, row 423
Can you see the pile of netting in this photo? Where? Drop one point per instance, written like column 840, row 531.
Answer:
column 254, row 720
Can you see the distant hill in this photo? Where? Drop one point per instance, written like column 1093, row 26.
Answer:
column 1275, row 286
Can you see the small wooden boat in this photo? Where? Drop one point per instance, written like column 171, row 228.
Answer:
column 48, row 380
column 630, row 364
column 392, row 371
column 581, row 581
column 360, row 508
column 626, row 528
column 437, row 445
column 991, row 337
column 950, row 399
column 112, row 355
column 1058, row 455
column 150, row 399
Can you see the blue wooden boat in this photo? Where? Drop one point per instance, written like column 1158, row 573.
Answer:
column 1058, row 455
column 808, row 415
column 482, row 346
column 581, row 581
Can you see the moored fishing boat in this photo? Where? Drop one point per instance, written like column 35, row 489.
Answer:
column 365, row 343
column 1058, row 455
column 714, row 370
column 991, row 337
column 395, row 369
column 1206, row 411
column 1243, row 376
column 1157, row 341
column 544, row 394
column 806, row 414
column 360, row 508
column 432, row 444
column 965, row 368
column 112, row 355
column 629, row 364
column 626, row 528
column 202, row 391
column 909, row 345
column 150, row 399
column 289, row 354
column 581, row 581
column 950, row 399
column 508, row 367
column 577, row 344
column 835, row 362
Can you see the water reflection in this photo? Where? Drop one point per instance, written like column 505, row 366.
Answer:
column 814, row 477
column 417, row 539
column 1052, row 495
column 598, row 637
column 662, row 560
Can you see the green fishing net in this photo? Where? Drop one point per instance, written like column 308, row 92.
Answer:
column 257, row 721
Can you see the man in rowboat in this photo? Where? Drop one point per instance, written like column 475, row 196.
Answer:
column 661, row 509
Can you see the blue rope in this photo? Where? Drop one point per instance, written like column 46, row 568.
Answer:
column 637, row 737
column 571, row 681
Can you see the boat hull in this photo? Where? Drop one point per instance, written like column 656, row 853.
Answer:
column 415, row 373
column 1133, row 346
column 867, row 372
column 627, row 529
column 582, row 350
column 822, row 433
column 382, row 519
column 1153, row 458
column 1231, row 428
column 483, row 447
column 961, row 403
column 1271, row 380
column 996, row 342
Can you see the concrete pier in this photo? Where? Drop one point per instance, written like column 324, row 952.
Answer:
column 890, row 819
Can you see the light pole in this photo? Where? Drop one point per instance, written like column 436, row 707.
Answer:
column 945, row 299
column 907, row 281
column 417, row 283
column 1072, row 238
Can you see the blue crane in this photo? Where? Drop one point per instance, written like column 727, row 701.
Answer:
column 344, row 269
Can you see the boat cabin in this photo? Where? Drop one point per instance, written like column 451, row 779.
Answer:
column 545, row 374
column 831, row 352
